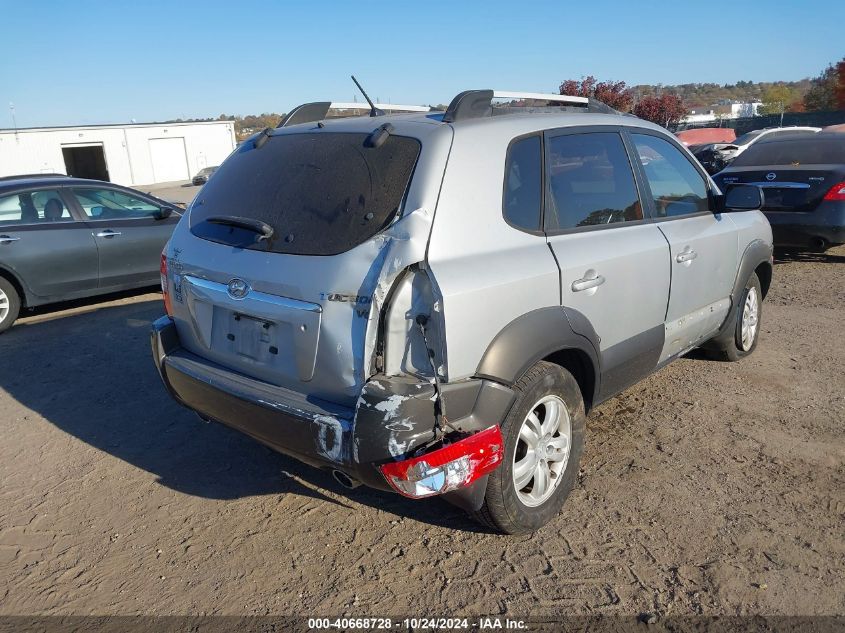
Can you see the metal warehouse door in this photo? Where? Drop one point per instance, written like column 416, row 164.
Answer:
column 169, row 160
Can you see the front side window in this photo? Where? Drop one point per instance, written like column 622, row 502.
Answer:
column 590, row 181
column 676, row 186
column 523, row 183
column 33, row 207
column 108, row 204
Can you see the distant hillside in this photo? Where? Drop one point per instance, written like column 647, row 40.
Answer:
column 244, row 125
column 702, row 95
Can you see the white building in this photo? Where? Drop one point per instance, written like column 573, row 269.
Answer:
column 133, row 155
column 699, row 116
column 745, row 109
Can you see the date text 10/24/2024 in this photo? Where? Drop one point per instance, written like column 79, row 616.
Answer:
column 490, row 623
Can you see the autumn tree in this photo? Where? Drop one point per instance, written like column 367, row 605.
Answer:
column 616, row 94
column 828, row 89
column 666, row 109
column 840, row 87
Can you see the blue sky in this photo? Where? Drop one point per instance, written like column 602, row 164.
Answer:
column 83, row 62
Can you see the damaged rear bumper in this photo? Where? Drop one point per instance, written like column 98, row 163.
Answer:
column 393, row 418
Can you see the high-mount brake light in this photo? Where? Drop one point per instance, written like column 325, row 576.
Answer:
column 168, row 306
column 837, row 192
column 448, row 468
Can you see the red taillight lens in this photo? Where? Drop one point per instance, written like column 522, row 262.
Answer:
column 168, row 307
column 837, row 192
column 447, row 468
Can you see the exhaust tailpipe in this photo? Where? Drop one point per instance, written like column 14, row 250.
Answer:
column 345, row 480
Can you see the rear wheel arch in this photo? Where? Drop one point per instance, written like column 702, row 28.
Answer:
column 577, row 363
column 544, row 334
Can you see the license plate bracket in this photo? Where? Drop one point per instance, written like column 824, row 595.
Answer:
column 252, row 337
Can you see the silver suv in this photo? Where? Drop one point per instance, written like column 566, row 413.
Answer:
column 430, row 302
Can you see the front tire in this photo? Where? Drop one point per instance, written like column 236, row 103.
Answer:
column 10, row 304
column 746, row 330
column 544, row 438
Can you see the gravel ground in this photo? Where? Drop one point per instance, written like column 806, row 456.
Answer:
column 710, row 488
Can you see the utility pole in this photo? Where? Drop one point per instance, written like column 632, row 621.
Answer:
column 14, row 122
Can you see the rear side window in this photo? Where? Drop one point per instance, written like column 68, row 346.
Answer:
column 322, row 193
column 805, row 151
column 524, row 183
column 33, row 207
column 590, row 181
column 676, row 186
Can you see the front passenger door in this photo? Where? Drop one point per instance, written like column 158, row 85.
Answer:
column 703, row 243
column 130, row 235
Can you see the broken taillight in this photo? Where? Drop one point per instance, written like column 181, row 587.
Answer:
column 448, row 468
column 168, row 306
column 837, row 192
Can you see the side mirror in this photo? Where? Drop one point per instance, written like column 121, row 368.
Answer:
column 742, row 198
column 163, row 213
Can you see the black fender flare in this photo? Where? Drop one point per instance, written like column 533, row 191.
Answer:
column 756, row 253
column 534, row 336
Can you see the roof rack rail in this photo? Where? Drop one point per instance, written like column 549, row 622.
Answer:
column 19, row 176
column 476, row 104
column 318, row 110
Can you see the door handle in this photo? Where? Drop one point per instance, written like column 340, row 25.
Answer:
column 108, row 233
column 586, row 283
column 686, row 256
column 6, row 239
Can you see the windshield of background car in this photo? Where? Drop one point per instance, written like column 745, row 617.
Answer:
column 811, row 150
column 746, row 138
column 322, row 193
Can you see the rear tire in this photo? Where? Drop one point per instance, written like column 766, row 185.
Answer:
column 747, row 316
column 544, row 438
column 10, row 304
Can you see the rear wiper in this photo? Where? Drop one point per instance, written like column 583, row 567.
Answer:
column 264, row 230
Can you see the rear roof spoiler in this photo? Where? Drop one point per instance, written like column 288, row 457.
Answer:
column 476, row 104
column 319, row 110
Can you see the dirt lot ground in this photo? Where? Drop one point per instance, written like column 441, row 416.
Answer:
column 709, row 488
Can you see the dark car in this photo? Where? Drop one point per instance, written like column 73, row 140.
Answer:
column 203, row 175
column 64, row 238
column 803, row 178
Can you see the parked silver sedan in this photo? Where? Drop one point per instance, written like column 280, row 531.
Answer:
column 65, row 238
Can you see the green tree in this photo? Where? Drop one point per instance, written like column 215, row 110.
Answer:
column 779, row 98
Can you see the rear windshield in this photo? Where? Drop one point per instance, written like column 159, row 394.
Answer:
column 322, row 193
column 746, row 138
column 806, row 151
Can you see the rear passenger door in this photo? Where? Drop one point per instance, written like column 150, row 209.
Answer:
column 129, row 232
column 703, row 243
column 45, row 245
column 614, row 263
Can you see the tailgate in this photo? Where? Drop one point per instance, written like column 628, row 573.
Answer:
column 294, row 303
